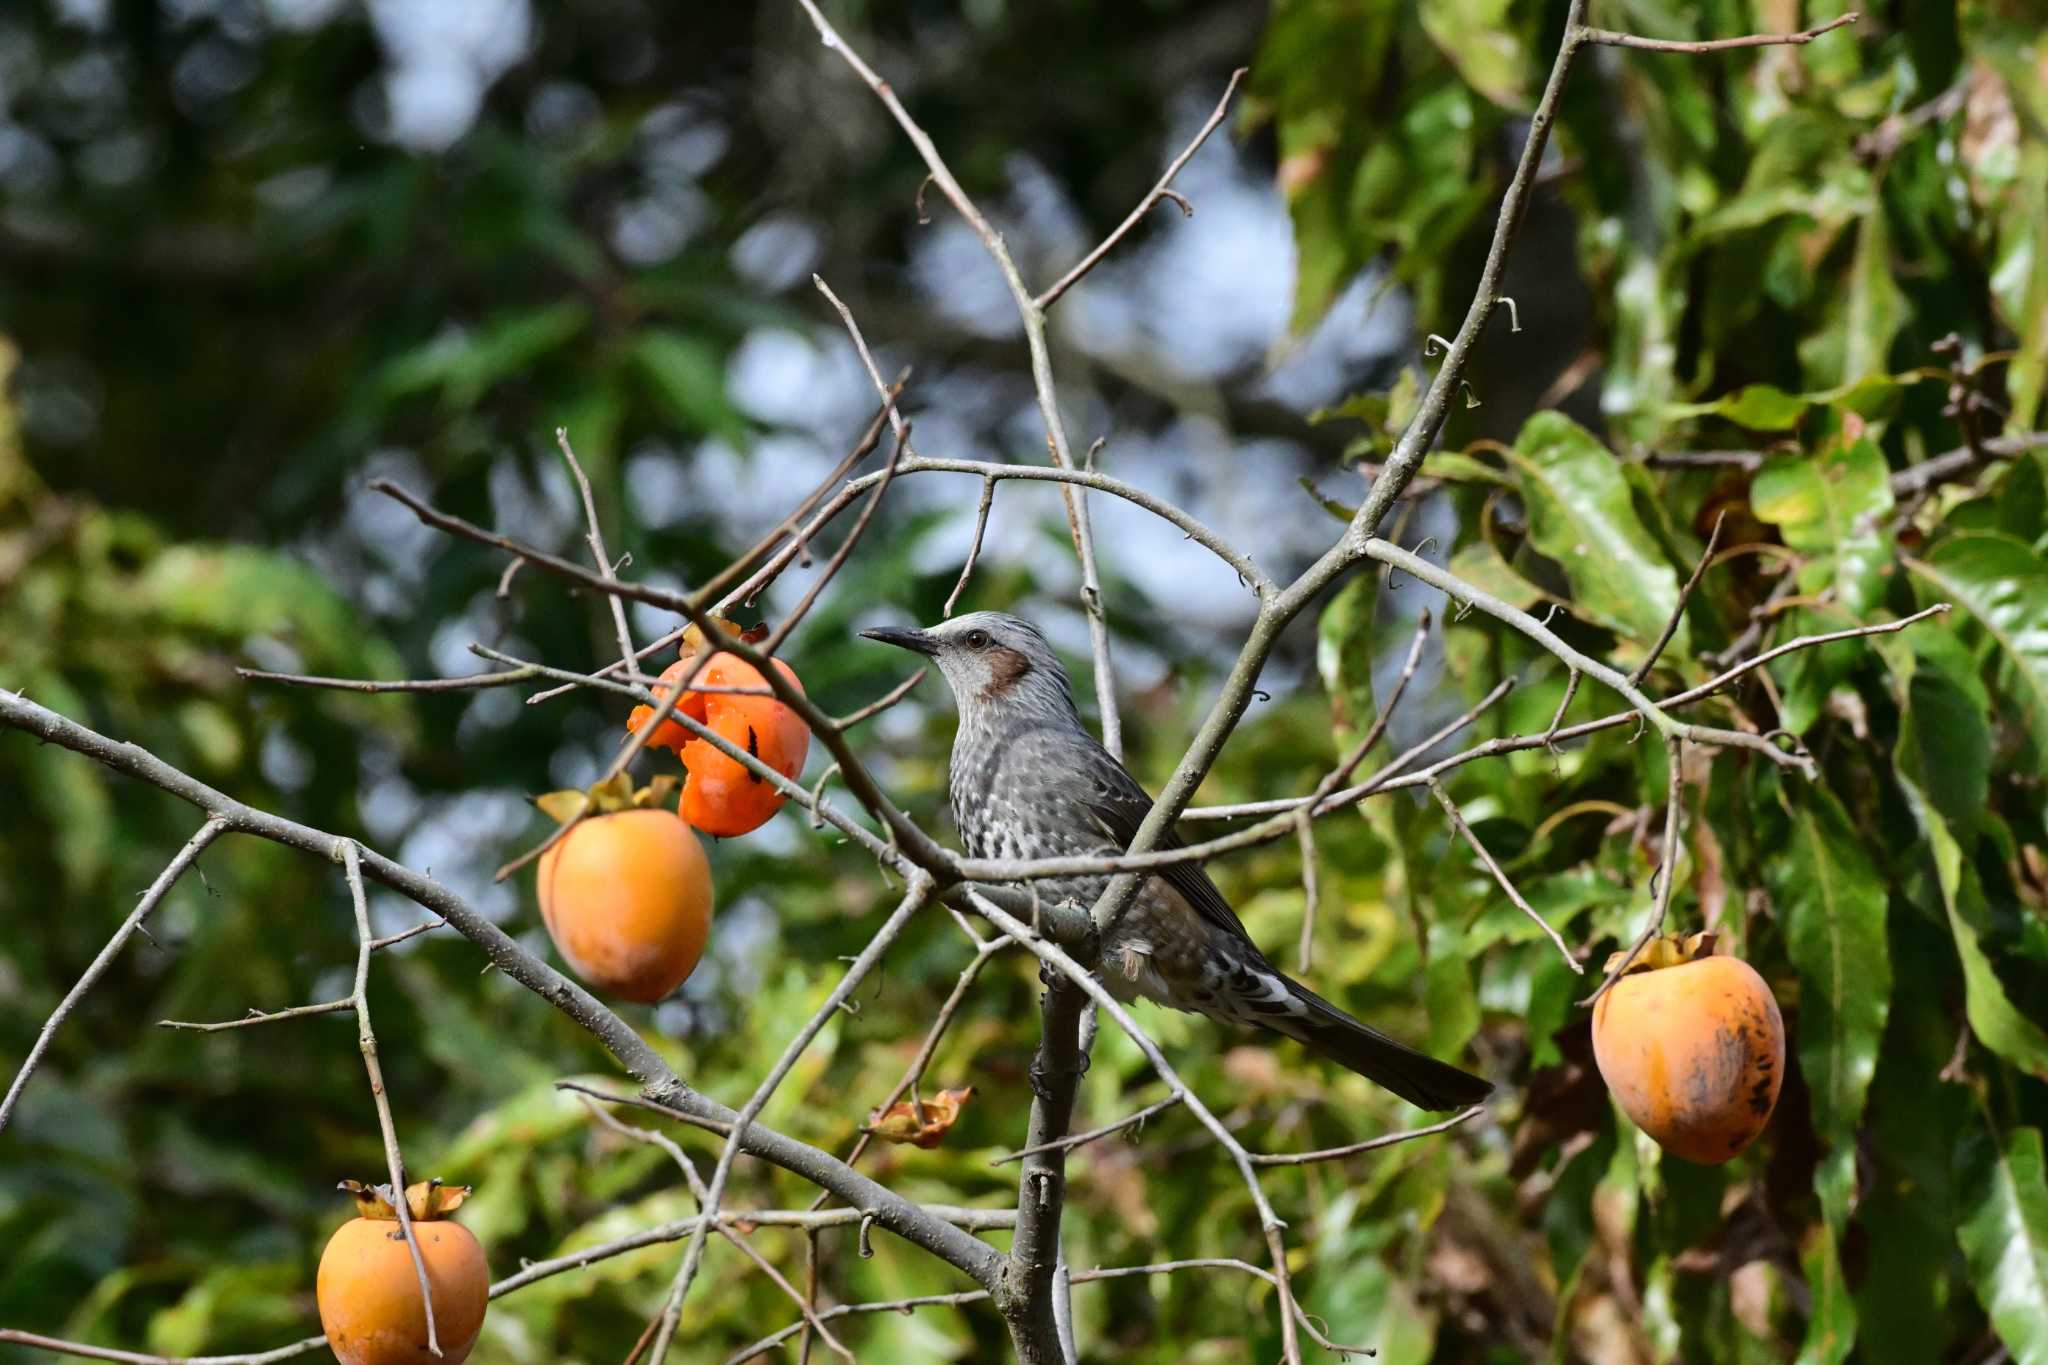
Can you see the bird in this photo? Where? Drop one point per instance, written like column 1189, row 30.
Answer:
column 1027, row 780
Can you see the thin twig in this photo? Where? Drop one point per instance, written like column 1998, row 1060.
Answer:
column 254, row 1017
column 838, row 560
column 1642, row 670
column 1158, row 192
column 366, row 1042
column 635, row 1133
column 1269, row 1222
column 1457, row 819
column 144, row 908
column 594, row 535
column 1416, row 566
column 1609, row 38
column 914, row 899
column 1667, row 873
column 1369, row 1145
column 865, row 446
column 1305, row 838
column 1073, row 1140
column 1033, row 319
column 988, row 497
column 881, row 703
column 512, row 675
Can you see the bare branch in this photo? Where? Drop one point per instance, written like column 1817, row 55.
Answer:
column 1666, row 873
column 1073, row 1140
column 1528, row 625
column 1269, row 1222
column 1311, row 891
column 648, row 1137
column 594, row 534
column 1032, row 317
column 254, row 1017
column 1369, row 1145
column 144, row 908
column 881, row 703
column 988, row 497
column 513, row 675
column 869, row 439
column 914, row 899
column 1609, row 38
column 1457, row 818
column 1642, row 670
column 664, row 1089
column 9, row 1335
column 1158, row 192
column 366, row 1042
column 832, row 566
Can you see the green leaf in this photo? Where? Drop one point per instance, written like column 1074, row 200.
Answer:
column 689, row 373
column 1993, row 1018
column 1344, row 657
column 1766, row 407
column 1478, row 37
column 1831, row 1327
column 1762, row 407
column 234, row 591
column 467, row 364
column 1945, row 731
column 2004, row 584
column 1832, row 903
column 2004, row 1235
column 1835, row 509
column 1581, row 515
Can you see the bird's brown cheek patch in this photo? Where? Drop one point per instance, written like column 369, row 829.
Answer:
column 1005, row 668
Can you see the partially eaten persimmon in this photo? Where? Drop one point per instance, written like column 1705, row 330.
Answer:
column 722, row 795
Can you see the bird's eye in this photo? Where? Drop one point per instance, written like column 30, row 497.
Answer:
column 975, row 639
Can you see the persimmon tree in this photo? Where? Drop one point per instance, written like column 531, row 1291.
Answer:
column 1848, row 591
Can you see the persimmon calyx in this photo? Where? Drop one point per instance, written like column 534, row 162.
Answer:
column 694, row 638
column 607, row 798
column 426, row 1200
column 1666, row 950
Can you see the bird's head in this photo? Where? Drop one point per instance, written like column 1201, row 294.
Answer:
column 992, row 661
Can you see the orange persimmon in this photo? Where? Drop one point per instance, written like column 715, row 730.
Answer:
column 369, row 1291
column 626, row 894
column 722, row 796
column 1693, row 1047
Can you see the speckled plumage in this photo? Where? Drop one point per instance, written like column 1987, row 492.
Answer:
column 1027, row 780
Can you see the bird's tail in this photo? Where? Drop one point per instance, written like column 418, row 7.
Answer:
column 1416, row 1077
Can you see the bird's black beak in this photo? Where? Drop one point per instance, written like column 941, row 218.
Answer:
column 905, row 637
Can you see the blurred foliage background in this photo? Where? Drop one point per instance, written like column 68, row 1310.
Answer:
column 254, row 252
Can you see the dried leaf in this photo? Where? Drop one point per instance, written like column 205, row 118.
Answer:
column 922, row 1125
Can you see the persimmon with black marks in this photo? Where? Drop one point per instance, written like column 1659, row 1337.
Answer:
column 1692, row 1046
column 721, row 795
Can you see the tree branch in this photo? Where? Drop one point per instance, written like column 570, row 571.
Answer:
column 1158, row 192
column 144, row 908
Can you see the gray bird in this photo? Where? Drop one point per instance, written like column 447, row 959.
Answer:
column 1028, row 781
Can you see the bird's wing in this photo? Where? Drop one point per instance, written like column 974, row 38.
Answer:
column 1119, row 805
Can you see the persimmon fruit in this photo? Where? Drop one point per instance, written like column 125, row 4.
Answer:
column 721, row 795
column 369, row 1291
column 1693, row 1047
column 626, row 894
